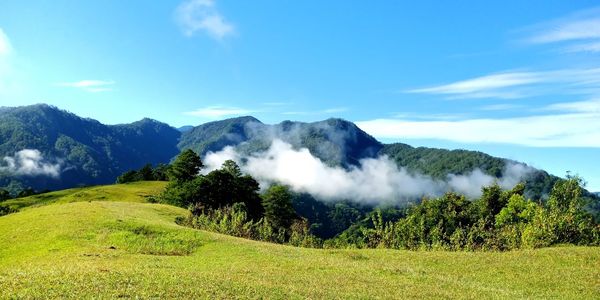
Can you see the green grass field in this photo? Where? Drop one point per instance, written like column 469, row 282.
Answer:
column 105, row 242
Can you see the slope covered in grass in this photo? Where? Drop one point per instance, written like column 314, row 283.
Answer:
column 130, row 192
column 111, row 249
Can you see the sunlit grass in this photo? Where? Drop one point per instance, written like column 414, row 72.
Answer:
column 111, row 249
column 130, row 192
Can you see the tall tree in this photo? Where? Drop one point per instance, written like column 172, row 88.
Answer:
column 186, row 167
column 279, row 211
column 4, row 195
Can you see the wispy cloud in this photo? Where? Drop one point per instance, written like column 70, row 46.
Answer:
column 589, row 106
column 584, row 47
column 488, row 86
column 7, row 69
column 92, row 86
column 202, row 15
column 578, row 32
column 511, row 85
column 554, row 130
column 5, row 46
column 498, row 107
column 216, row 112
column 578, row 26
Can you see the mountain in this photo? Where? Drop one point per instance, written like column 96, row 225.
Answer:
column 185, row 128
column 335, row 141
column 86, row 151
column 39, row 141
column 438, row 163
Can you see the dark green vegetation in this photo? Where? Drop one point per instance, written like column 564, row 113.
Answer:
column 92, row 153
column 226, row 201
column 146, row 173
column 105, row 242
column 499, row 220
column 438, row 163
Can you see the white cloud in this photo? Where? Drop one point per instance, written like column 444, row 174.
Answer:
column 216, row 112
column 374, row 180
column 202, row 15
column 556, row 130
column 483, row 84
column 8, row 73
column 589, row 106
column 520, row 84
column 584, row 47
column 92, row 86
column 498, row 107
column 29, row 162
column 582, row 25
column 578, row 32
column 5, row 46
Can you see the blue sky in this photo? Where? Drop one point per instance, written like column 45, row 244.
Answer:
column 513, row 79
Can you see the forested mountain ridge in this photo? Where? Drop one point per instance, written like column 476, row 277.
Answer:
column 335, row 141
column 438, row 163
column 89, row 152
column 85, row 151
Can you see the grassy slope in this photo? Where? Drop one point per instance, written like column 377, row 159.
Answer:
column 133, row 192
column 123, row 249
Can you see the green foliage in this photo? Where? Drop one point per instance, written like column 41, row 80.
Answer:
column 186, row 167
column 234, row 220
column 146, row 173
column 4, row 195
column 517, row 210
column 499, row 220
column 279, row 210
column 219, row 188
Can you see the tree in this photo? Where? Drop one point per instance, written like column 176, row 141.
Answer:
column 145, row 173
column 232, row 168
column 227, row 186
column 26, row 193
column 279, row 211
column 4, row 195
column 186, row 167
column 160, row 173
column 129, row 176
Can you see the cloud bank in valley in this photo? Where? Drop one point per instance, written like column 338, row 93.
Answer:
column 374, row 180
column 29, row 162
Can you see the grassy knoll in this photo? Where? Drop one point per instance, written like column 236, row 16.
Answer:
column 110, row 249
column 130, row 192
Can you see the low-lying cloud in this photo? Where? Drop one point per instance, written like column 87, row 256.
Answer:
column 373, row 181
column 29, row 162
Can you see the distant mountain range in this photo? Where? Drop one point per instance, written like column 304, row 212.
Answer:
column 89, row 152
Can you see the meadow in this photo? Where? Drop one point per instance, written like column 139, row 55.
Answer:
column 109, row 242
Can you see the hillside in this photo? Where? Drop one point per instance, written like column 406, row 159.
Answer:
column 114, row 249
column 438, row 163
column 83, row 151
